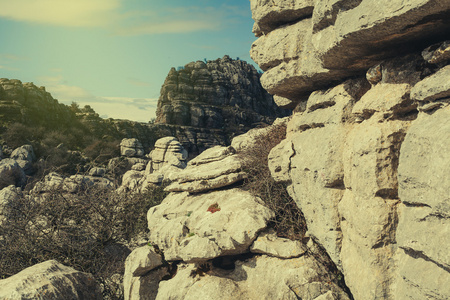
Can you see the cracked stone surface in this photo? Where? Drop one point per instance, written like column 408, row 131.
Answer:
column 207, row 176
column 50, row 280
column 423, row 232
column 185, row 230
column 261, row 277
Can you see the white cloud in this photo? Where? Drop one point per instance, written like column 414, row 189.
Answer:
column 110, row 14
column 171, row 20
column 73, row 13
column 175, row 26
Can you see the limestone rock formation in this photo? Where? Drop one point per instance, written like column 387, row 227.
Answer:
column 366, row 158
column 136, row 278
column 214, row 242
column 168, row 151
column 131, row 148
column 224, row 96
column 196, row 228
column 213, row 174
column 166, row 158
column 8, row 195
column 24, row 152
column 261, row 277
column 57, row 182
column 50, row 280
column 306, row 45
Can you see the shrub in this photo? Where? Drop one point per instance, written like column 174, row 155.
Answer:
column 101, row 151
column 18, row 134
column 87, row 231
column 11, row 177
column 289, row 221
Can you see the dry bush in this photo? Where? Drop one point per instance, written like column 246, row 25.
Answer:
column 289, row 221
column 87, row 231
column 101, row 151
column 11, row 177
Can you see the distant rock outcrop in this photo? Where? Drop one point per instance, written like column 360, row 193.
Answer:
column 223, row 96
column 27, row 103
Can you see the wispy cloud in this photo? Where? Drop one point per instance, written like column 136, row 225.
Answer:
column 140, row 103
column 7, row 61
column 111, row 15
column 132, row 108
column 79, row 13
column 175, row 26
column 170, row 20
column 10, row 57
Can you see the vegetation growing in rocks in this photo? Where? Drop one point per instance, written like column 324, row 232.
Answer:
column 289, row 221
column 88, row 231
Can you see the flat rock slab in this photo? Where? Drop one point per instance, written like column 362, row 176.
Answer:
column 50, row 280
column 209, row 176
column 261, row 277
column 269, row 243
column 200, row 227
column 433, row 87
column 212, row 154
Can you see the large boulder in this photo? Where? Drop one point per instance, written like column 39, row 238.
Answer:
column 208, row 176
column 131, row 148
column 196, row 228
column 168, row 151
column 11, row 173
column 168, row 157
column 24, row 152
column 50, row 280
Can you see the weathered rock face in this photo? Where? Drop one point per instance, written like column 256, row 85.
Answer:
column 224, row 95
column 305, row 45
column 366, row 158
column 261, row 277
column 50, row 280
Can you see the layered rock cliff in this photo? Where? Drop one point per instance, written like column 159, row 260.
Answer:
column 366, row 156
column 224, row 96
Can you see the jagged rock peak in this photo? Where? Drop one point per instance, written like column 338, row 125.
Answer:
column 223, row 93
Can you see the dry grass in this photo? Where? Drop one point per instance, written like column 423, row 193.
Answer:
column 289, row 221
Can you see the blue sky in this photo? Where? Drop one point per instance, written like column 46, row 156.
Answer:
column 115, row 54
